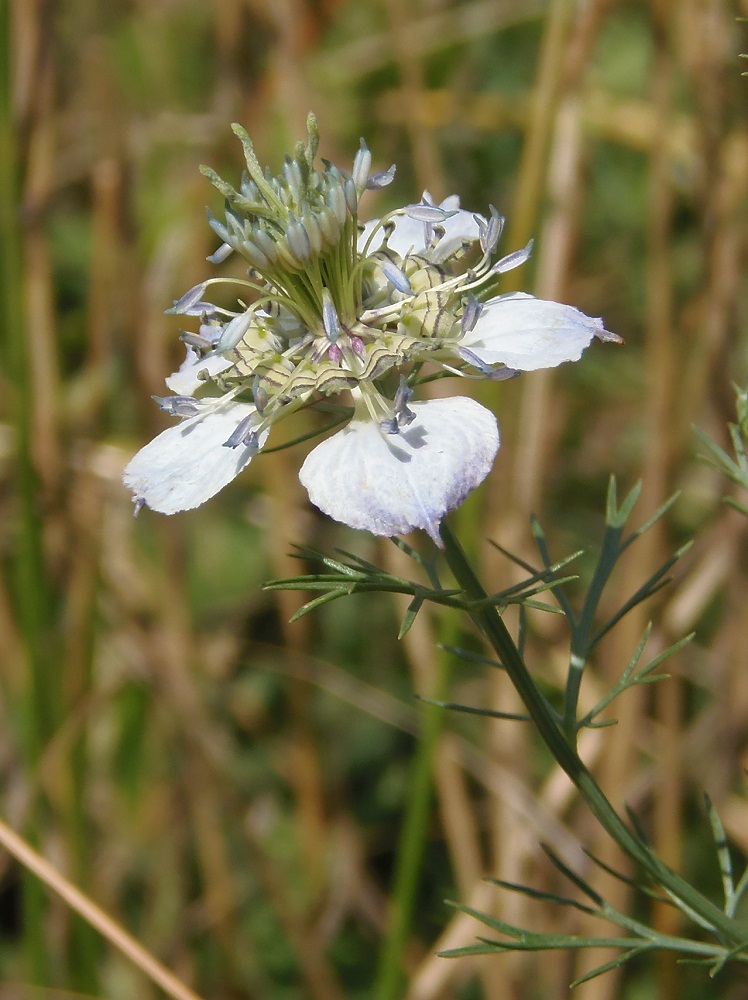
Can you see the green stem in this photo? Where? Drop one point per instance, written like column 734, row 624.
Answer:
column 408, row 866
column 490, row 623
column 581, row 631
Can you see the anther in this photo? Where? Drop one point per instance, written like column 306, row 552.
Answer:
column 336, row 201
column 512, row 260
column 403, row 415
column 428, row 213
column 381, row 179
column 497, row 373
column 351, row 196
column 298, row 240
column 266, row 243
column 313, row 231
column 329, row 225
column 259, row 394
column 218, row 227
column 178, row 406
column 389, row 426
column 396, row 277
column 243, row 434
column 472, row 311
column 186, row 305
column 234, row 331
column 253, row 254
column 330, row 317
column 195, row 341
column 361, row 166
column 293, row 178
column 490, row 232
column 221, row 254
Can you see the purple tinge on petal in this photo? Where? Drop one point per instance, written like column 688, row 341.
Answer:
column 389, row 484
column 526, row 333
column 188, row 464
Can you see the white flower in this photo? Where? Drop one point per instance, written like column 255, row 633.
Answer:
column 338, row 307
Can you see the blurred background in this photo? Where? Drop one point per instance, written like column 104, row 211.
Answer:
column 228, row 786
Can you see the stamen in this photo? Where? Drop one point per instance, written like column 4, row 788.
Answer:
column 351, row 196
column 437, row 233
column 254, row 255
column 490, row 233
column 330, row 317
column 473, row 309
column 243, row 434
column 336, row 201
column 512, row 260
column 218, row 227
column 497, row 373
column 361, row 166
column 178, row 406
column 298, row 240
column 266, row 243
column 381, row 179
column 403, row 415
column 233, row 332
column 195, row 341
column 428, row 213
column 502, row 374
column 396, row 277
column 293, row 178
column 186, row 305
column 330, row 226
column 221, row 254
column 389, row 426
column 259, row 394
column 313, row 231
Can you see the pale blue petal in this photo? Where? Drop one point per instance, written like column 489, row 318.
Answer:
column 189, row 463
column 389, row 484
column 526, row 333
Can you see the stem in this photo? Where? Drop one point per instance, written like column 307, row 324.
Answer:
column 490, row 623
column 581, row 630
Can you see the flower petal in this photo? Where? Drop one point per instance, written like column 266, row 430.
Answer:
column 389, row 484
column 185, row 381
column 526, row 333
column 188, row 464
column 409, row 235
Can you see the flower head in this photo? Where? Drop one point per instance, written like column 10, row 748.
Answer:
column 329, row 306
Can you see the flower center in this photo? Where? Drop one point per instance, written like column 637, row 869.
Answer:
column 334, row 305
